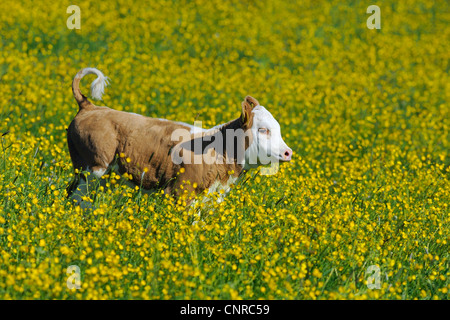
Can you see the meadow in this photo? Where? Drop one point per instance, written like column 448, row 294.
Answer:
column 366, row 113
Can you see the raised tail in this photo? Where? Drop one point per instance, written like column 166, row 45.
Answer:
column 97, row 86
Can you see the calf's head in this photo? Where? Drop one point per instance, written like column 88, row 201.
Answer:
column 266, row 146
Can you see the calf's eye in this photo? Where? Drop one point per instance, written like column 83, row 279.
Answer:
column 263, row 130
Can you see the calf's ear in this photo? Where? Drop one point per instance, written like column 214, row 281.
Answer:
column 247, row 105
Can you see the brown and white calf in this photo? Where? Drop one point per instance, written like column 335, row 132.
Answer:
column 155, row 151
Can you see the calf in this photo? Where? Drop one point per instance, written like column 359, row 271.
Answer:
column 161, row 154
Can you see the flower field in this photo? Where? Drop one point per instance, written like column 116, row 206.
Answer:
column 365, row 111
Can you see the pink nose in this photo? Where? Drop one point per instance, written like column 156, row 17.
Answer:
column 287, row 155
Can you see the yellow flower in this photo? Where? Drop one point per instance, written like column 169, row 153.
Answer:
column 366, row 117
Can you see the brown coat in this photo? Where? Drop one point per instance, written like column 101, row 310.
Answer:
column 97, row 137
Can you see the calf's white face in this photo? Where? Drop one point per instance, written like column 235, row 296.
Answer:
column 267, row 146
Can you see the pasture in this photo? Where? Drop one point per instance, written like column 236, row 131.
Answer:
column 361, row 211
